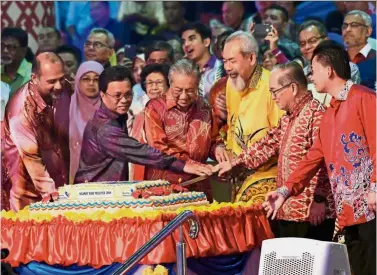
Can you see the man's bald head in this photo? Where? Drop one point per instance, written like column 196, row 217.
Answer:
column 44, row 61
column 48, row 74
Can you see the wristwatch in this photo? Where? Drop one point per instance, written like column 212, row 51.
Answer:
column 319, row 199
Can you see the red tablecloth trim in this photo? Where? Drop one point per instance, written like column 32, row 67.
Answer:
column 96, row 243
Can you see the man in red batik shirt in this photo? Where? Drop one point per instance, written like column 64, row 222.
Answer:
column 180, row 124
column 36, row 149
column 347, row 144
column 310, row 214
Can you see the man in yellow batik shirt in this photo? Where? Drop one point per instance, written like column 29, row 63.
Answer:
column 251, row 113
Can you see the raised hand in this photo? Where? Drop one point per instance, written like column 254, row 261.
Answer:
column 273, row 38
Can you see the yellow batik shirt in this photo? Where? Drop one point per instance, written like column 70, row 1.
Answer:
column 251, row 113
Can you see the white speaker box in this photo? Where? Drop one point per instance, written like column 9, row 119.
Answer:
column 299, row 256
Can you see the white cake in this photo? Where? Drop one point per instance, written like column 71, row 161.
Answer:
column 112, row 196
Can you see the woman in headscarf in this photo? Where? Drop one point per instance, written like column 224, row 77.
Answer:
column 84, row 103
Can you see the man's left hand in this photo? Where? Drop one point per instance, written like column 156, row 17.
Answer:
column 317, row 213
column 372, row 201
column 221, row 154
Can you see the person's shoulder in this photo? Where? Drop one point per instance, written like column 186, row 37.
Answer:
column 156, row 103
column 361, row 91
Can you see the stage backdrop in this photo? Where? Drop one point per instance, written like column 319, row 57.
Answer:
column 29, row 15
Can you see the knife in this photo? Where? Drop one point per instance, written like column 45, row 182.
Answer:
column 194, row 180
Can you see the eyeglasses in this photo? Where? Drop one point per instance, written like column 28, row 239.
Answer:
column 88, row 80
column 95, row 44
column 353, row 25
column 11, row 48
column 159, row 83
column 118, row 98
column 310, row 41
column 274, row 93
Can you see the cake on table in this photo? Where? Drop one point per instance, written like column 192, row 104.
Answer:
column 112, row 196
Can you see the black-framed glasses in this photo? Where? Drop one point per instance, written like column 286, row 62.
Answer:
column 95, row 44
column 310, row 41
column 119, row 97
column 275, row 93
column 353, row 25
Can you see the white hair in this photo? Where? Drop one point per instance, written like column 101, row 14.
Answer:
column 248, row 44
column 184, row 67
column 364, row 16
column 110, row 36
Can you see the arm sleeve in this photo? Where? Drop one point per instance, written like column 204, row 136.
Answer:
column 367, row 113
column 280, row 57
column 25, row 140
column 117, row 144
column 261, row 151
column 306, row 169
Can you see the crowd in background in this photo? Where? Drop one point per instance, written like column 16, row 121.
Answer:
column 152, row 90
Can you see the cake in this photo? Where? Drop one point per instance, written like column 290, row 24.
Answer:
column 112, row 196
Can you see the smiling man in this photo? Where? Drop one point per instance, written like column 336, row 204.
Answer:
column 36, row 133
column 251, row 111
column 312, row 213
column 196, row 41
column 106, row 146
column 180, row 124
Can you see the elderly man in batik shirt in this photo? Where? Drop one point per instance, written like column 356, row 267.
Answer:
column 36, row 134
column 312, row 213
column 180, row 124
column 251, row 112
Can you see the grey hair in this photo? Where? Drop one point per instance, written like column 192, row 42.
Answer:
column 366, row 17
column 184, row 67
column 110, row 36
column 248, row 44
column 293, row 73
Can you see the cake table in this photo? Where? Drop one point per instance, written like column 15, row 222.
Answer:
column 101, row 240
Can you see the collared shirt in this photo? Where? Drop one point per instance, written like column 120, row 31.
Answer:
column 211, row 73
column 22, row 76
column 364, row 54
column 36, row 150
column 347, row 144
column 186, row 135
column 291, row 140
column 251, row 113
column 325, row 98
column 107, row 149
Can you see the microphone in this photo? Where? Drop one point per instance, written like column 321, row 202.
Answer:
column 4, row 253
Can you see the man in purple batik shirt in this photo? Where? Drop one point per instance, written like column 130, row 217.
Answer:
column 107, row 148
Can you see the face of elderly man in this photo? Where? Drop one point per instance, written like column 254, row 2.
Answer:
column 184, row 89
column 238, row 66
column 354, row 31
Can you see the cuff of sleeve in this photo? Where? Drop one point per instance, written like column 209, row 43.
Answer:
column 283, row 191
column 177, row 166
column 373, row 187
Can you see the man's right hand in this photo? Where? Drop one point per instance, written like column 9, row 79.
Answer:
column 273, row 38
column 198, row 169
column 272, row 203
